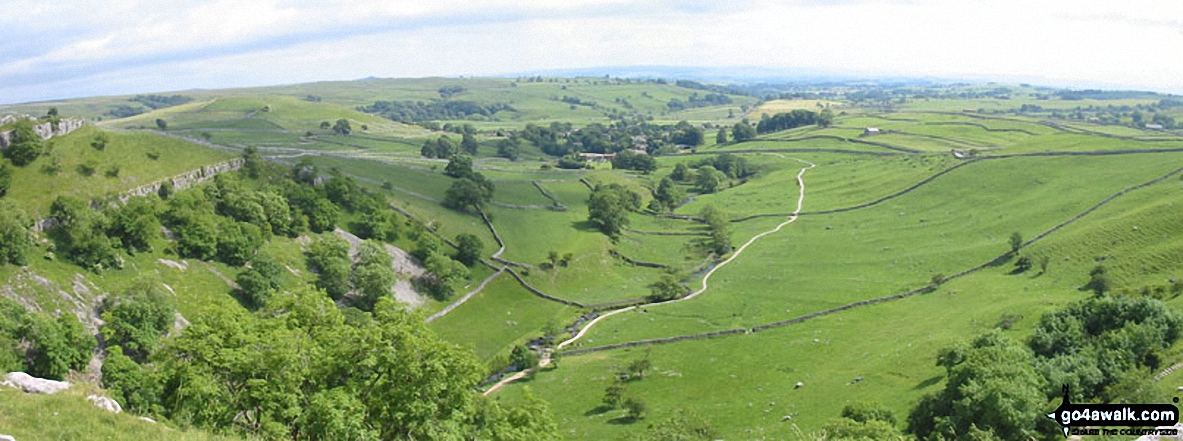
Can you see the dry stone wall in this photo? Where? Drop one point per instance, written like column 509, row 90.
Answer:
column 45, row 130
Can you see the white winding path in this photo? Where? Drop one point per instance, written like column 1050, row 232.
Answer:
column 457, row 303
column 705, row 278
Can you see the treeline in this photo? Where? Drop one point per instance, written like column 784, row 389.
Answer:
column 561, row 139
column 694, row 100
column 147, row 102
column 415, row 111
column 793, row 119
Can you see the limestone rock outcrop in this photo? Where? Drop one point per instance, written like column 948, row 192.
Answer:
column 33, row 385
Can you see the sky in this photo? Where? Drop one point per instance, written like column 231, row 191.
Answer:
column 66, row 48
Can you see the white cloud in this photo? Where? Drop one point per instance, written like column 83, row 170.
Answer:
column 202, row 44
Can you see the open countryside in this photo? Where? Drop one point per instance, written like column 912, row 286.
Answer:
column 553, row 255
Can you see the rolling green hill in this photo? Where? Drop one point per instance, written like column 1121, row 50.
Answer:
column 900, row 250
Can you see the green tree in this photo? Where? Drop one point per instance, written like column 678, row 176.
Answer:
column 378, row 221
column 1099, row 282
column 257, row 283
column 373, row 276
column 15, row 238
column 24, row 144
column 523, row 358
column 468, row 144
column 681, row 172
column 81, row 234
column 342, row 127
column 135, row 224
column 825, row 117
column 668, row 287
column 58, row 345
column 469, row 249
column 635, row 408
column 237, row 242
column 445, row 147
column 719, row 241
column 128, row 384
column 459, row 166
column 161, row 124
column 614, row 395
column 608, row 208
column 136, row 319
column 336, row 414
column 428, row 150
column 991, row 386
column 509, row 148
column 329, row 258
column 5, row 176
column 637, row 368
column 1023, row 264
column 721, row 137
column 708, row 179
column 472, row 192
column 741, row 132
column 252, row 162
column 1016, row 242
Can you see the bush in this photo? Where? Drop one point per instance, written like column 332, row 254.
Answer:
column 25, row 146
column 136, row 319
column 15, row 239
column 257, row 283
column 58, row 345
column 329, row 257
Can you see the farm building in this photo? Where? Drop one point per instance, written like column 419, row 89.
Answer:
column 869, row 131
column 1153, row 126
column 597, row 157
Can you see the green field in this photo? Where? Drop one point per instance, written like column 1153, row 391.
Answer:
column 882, row 215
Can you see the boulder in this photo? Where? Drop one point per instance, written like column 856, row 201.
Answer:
column 33, row 385
column 105, row 403
column 7, row 438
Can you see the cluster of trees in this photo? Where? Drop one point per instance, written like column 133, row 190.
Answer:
column 146, row 102
column 413, row 111
column 616, row 395
column 509, row 148
column 561, row 139
column 160, row 101
column 448, row 91
column 667, row 196
column 41, row 344
column 629, row 160
column 793, row 119
column 444, row 270
column 445, row 147
column 370, row 275
column 1104, row 348
column 471, row 189
column 301, row 368
column 709, row 174
column 742, row 131
column 719, row 240
column 694, row 100
column 608, row 208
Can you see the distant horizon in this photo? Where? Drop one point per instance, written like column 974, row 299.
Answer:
column 55, row 51
column 769, row 76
